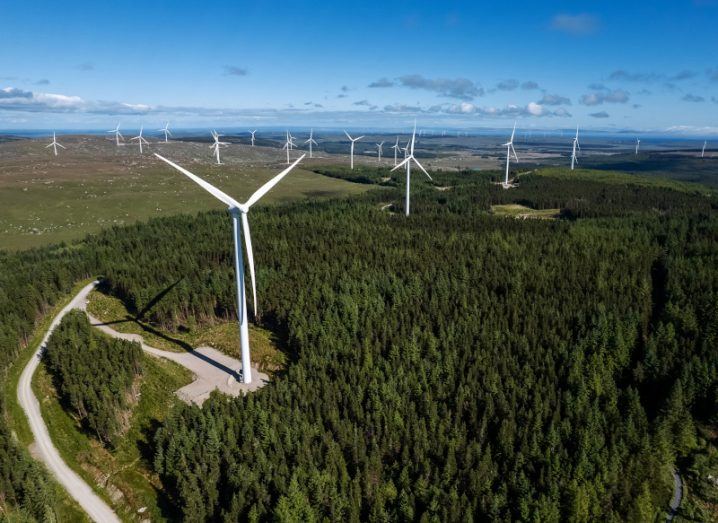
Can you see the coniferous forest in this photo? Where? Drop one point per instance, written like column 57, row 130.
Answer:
column 449, row 366
column 94, row 375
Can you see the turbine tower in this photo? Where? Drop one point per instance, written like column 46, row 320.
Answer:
column 574, row 160
column 638, row 144
column 353, row 140
column 703, row 151
column 239, row 211
column 252, row 133
column 379, row 150
column 396, row 149
column 166, row 130
column 117, row 134
column 509, row 149
column 410, row 158
column 311, row 141
column 216, row 145
column 54, row 144
column 140, row 139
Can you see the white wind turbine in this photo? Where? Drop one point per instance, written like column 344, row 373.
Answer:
column 239, row 211
column 166, row 130
column 54, row 144
column 638, row 144
column 703, row 151
column 574, row 160
column 410, row 158
column 311, row 141
column 216, row 145
column 509, row 149
column 288, row 145
column 117, row 134
column 379, row 150
column 140, row 139
column 353, row 140
column 252, row 133
column 396, row 149
column 292, row 145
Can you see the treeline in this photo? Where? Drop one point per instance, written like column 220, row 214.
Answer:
column 95, row 376
column 450, row 366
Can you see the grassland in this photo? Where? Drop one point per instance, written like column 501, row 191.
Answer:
column 223, row 336
column 517, row 211
column 94, row 185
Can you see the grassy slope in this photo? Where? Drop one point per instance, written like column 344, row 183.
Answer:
column 122, row 476
column 515, row 210
column 67, row 509
column 222, row 336
column 39, row 213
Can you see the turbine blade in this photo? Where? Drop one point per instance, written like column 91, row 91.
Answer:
column 348, row 136
column 250, row 258
column 358, row 138
column 401, row 164
column 221, row 196
column 421, row 167
column 271, row 183
column 50, row 145
column 60, row 145
column 514, row 151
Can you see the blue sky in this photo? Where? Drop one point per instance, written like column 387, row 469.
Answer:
column 608, row 65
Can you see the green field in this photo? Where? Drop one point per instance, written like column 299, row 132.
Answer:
column 515, row 210
column 68, row 205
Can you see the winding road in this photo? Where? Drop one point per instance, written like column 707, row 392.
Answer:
column 211, row 369
column 90, row 502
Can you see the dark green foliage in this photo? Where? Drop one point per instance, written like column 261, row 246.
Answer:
column 360, row 174
column 30, row 283
column 446, row 366
column 94, row 375
column 452, row 366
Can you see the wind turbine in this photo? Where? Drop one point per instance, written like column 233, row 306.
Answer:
column 353, row 140
column 54, row 144
column 292, row 145
column 117, row 133
column 396, row 149
column 410, row 158
column 140, row 139
column 574, row 160
column 379, row 149
column 252, row 133
column 288, row 145
column 311, row 141
column 509, row 149
column 638, row 144
column 239, row 211
column 216, row 145
column 703, row 151
column 166, row 130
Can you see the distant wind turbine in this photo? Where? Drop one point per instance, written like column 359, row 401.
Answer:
column 252, row 133
column 54, row 144
column 353, row 140
column 239, row 212
column 574, row 160
column 311, row 141
column 166, row 130
column 379, row 150
column 288, row 145
column 407, row 161
column 396, row 149
column 117, row 134
column 703, row 151
column 216, row 145
column 140, row 139
column 638, row 144
column 509, row 149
